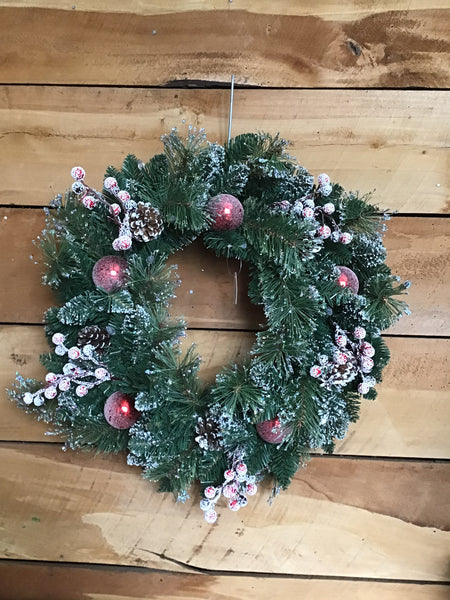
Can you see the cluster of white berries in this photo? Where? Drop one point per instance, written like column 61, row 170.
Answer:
column 357, row 358
column 324, row 189
column 124, row 239
column 324, row 184
column 236, row 487
column 85, row 374
column 90, row 198
column 306, row 208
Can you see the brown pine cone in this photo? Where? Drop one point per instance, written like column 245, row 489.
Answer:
column 94, row 336
column 209, row 436
column 343, row 374
column 145, row 222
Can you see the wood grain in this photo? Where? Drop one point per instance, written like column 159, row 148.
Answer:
column 391, row 141
column 28, row 581
column 409, row 418
column 340, row 517
column 326, row 9
column 291, row 47
column 88, row 82
column 418, row 249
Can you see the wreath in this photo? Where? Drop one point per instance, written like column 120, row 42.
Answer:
column 117, row 378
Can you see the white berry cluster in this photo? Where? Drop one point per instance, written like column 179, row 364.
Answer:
column 90, row 198
column 236, row 487
column 306, row 208
column 324, row 185
column 124, row 240
column 350, row 359
column 87, row 196
column 85, row 372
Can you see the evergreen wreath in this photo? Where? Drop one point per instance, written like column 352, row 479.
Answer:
column 117, row 378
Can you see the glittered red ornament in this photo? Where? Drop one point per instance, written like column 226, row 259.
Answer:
column 272, row 431
column 348, row 279
column 110, row 273
column 119, row 411
column 227, row 211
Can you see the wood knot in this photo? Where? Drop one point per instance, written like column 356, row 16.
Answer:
column 354, row 47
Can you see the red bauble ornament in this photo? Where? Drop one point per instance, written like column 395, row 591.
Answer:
column 110, row 273
column 227, row 211
column 272, row 431
column 119, row 411
column 348, row 279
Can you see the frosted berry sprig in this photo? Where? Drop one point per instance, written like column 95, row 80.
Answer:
column 324, row 189
column 306, row 208
column 89, row 197
column 351, row 359
column 324, row 184
column 237, row 485
column 124, row 240
column 85, row 372
column 137, row 220
column 141, row 220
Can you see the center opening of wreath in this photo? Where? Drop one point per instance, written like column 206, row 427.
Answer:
column 222, row 330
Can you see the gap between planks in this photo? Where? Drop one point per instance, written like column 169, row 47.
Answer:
column 120, row 568
column 192, row 84
column 314, row 455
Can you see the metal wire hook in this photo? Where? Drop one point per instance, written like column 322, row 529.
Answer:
column 230, row 113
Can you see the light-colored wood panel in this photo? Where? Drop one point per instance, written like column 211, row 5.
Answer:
column 340, row 517
column 408, row 419
column 295, row 48
column 20, row 274
column 326, row 9
column 417, row 249
column 28, row 581
column 411, row 413
column 21, row 347
column 394, row 142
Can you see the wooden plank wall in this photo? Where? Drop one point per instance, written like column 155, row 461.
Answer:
column 360, row 88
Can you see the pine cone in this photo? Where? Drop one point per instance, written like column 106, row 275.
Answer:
column 344, row 374
column 209, row 436
column 95, row 336
column 145, row 222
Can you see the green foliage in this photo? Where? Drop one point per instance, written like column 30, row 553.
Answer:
column 236, row 391
column 283, row 466
column 293, row 276
column 383, row 307
column 257, row 147
column 358, row 215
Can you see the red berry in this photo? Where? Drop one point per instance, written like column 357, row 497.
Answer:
column 210, row 492
column 233, row 505
column 315, row 371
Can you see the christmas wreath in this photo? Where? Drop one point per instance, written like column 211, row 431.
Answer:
column 117, row 378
